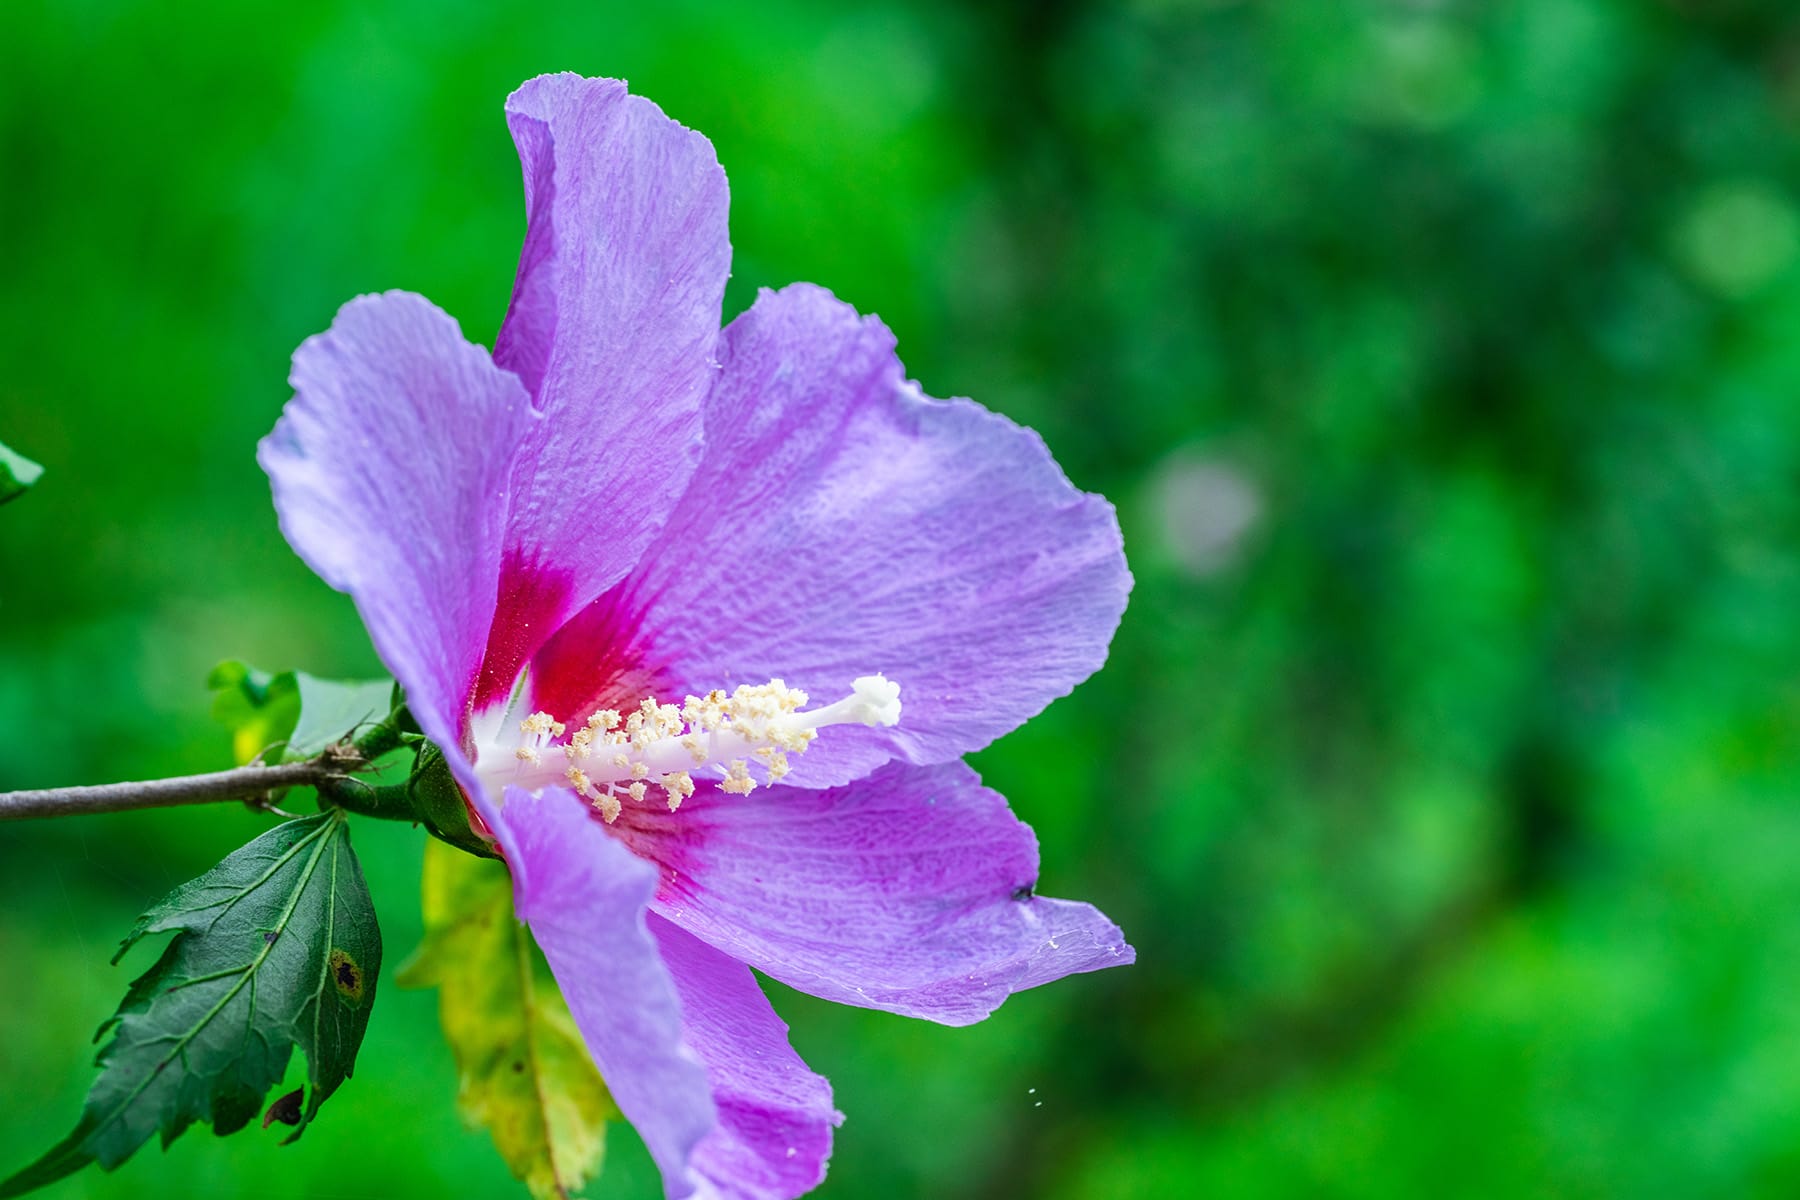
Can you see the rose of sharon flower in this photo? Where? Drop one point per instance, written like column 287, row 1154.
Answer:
column 703, row 621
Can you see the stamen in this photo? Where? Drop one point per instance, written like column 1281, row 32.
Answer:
column 737, row 779
column 679, row 785
column 660, row 743
column 608, row 805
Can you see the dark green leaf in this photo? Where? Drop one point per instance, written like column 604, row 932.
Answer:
column 275, row 947
column 16, row 473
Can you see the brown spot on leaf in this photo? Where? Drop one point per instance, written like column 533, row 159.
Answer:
column 347, row 975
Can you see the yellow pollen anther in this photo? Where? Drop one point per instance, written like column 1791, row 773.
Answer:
column 580, row 746
column 680, row 785
column 608, row 806
column 737, row 779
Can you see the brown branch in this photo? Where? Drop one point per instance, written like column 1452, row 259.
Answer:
column 253, row 783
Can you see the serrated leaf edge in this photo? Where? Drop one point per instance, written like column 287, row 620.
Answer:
column 329, row 824
column 34, row 1175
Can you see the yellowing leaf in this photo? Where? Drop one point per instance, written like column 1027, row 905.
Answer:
column 525, row 1073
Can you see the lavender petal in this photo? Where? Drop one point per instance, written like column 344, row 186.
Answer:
column 912, row 891
column 775, row 1115
column 389, row 468
column 584, row 896
column 613, row 326
column 843, row 524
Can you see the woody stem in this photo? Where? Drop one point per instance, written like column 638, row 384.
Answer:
column 252, row 783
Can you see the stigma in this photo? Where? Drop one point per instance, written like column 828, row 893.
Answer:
column 617, row 757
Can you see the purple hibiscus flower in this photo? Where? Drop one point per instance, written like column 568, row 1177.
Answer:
column 703, row 621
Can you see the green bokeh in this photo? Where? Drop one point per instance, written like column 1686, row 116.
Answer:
column 1442, row 359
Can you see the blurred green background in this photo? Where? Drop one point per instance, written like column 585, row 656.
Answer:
column 1442, row 358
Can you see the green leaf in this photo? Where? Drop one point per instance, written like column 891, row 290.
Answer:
column 298, row 713
column 17, row 473
column 331, row 710
column 525, row 1072
column 275, row 947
